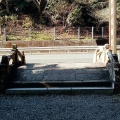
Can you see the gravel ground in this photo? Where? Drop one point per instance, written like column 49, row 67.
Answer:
column 60, row 107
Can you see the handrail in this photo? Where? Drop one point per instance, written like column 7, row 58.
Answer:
column 14, row 57
column 112, row 66
column 50, row 49
column 6, row 68
column 55, row 48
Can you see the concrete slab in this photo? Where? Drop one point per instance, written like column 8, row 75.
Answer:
column 59, row 76
column 29, row 75
column 91, row 76
column 61, row 72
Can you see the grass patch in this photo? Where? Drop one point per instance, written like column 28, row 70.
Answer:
column 11, row 37
column 67, row 36
column 41, row 36
column 38, row 36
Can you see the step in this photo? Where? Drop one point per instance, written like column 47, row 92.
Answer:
column 61, row 71
column 59, row 90
column 49, row 84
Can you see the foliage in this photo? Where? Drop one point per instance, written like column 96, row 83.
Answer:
column 82, row 16
column 75, row 17
column 27, row 23
column 59, row 12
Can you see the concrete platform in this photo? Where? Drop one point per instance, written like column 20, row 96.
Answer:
column 61, row 72
column 61, row 78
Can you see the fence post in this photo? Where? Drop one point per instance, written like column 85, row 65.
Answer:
column 92, row 32
column 0, row 30
column 54, row 33
column 30, row 34
column 14, row 48
column 5, row 35
column 102, row 32
column 78, row 33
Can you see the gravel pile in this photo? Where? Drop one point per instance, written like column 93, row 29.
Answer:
column 60, row 107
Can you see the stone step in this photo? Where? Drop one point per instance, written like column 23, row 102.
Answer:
column 60, row 84
column 40, row 78
column 60, row 75
column 57, row 90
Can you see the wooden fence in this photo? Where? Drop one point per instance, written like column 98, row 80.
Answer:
column 54, row 33
column 53, row 36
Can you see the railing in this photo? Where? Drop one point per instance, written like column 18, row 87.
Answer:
column 112, row 63
column 55, row 49
column 68, row 49
column 113, row 67
column 8, row 64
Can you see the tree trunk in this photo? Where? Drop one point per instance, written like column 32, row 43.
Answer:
column 37, row 3
column 7, row 6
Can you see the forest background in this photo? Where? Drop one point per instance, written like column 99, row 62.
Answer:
column 40, row 14
column 57, row 12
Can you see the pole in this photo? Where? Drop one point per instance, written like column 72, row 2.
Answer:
column 54, row 33
column 113, row 40
column 110, row 24
column 0, row 30
column 78, row 33
column 30, row 34
column 5, row 35
column 102, row 32
column 113, row 25
column 92, row 33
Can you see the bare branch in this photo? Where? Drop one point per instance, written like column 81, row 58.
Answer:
column 37, row 3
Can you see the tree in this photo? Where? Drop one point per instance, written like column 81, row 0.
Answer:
column 59, row 10
column 37, row 3
column 40, row 4
column 7, row 6
column 82, row 15
column 4, row 6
